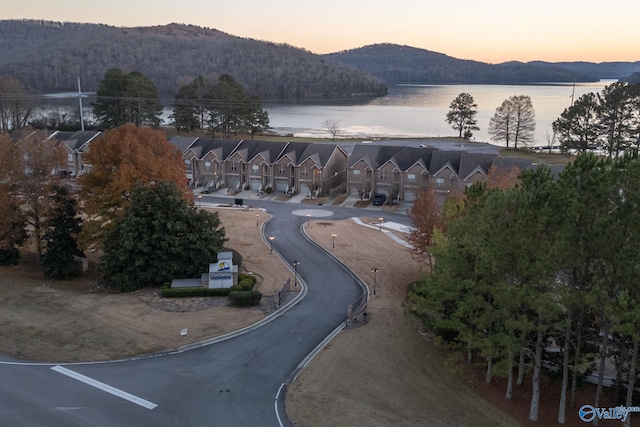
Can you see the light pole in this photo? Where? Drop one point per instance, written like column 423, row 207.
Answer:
column 295, row 273
column 380, row 223
column 308, row 219
column 271, row 243
column 374, row 270
column 199, row 200
column 257, row 216
column 333, row 241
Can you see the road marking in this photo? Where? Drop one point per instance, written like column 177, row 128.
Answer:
column 105, row 387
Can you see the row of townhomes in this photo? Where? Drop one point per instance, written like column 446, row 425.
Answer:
column 311, row 169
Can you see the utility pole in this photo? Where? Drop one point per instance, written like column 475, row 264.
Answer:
column 80, row 101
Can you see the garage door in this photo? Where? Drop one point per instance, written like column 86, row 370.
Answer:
column 255, row 184
column 281, row 185
column 410, row 196
column 232, row 182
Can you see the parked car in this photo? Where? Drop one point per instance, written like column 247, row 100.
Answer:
column 379, row 199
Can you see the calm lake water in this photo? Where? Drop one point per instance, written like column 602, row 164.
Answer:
column 420, row 111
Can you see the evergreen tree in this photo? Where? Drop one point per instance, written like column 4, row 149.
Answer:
column 161, row 237
column 462, row 115
column 61, row 248
column 127, row 98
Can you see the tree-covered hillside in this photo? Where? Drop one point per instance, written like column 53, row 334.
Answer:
column 603, row 70
column 49, row 56
column 396, row 64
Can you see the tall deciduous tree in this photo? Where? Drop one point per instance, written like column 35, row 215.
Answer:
column 160, row 237
column 123, row 157
column 426, row 217
column 514, row 121
column 126, row 98
column 462, row 115
column 12, row 227
column 16, row 106
column 30, row 170
column 61, row 247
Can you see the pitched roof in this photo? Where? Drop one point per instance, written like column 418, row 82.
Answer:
column 222, row 148
column 471, row 163
column 269, row 150
column 441, row 158
column 183, row 143
column 75, row 141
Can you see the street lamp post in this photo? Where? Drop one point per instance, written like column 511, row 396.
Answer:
column 333, row 241
column 308, row 219
column 257, row 217
column 271, row 244
column 380, row 223
column 374, row 270
column 295, row 273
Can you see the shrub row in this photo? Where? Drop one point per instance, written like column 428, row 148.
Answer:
column 245, row 298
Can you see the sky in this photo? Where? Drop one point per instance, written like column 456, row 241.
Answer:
column 490, row 31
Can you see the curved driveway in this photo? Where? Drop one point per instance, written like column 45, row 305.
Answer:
column 230, row 383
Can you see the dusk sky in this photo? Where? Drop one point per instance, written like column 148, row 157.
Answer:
column 484, row 30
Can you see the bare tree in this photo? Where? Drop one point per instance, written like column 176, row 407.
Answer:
column 16, row 107
column 332, row 126
column 514, row 120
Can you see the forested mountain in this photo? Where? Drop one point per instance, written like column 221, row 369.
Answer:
column 602, row 70
column 396, row 64
column 49, row 56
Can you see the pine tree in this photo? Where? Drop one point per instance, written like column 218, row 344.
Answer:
column 61, row 248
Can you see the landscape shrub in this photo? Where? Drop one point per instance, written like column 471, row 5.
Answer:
column 246, row 284
column 242, row 276
column 245, row 298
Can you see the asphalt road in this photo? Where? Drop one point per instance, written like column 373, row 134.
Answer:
column 234, row 382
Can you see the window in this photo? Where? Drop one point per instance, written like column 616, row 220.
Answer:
column 356, row 172
column 187, row 162
column 305, row 172
column 281, row 170
column 207, row 165
column 368, row 174
column 383, row 175
column 234, row 167
column 411, row 177
column 70, row 157
column 439, row 182
column 396, row 175
column 255, row 169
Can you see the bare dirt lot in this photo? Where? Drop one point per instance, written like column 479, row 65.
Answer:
column 381, row 374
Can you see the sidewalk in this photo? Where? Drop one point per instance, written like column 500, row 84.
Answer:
column 298, row 198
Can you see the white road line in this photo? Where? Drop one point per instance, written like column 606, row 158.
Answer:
column 104, row 387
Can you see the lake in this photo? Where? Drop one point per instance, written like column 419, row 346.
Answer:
column 420, row 111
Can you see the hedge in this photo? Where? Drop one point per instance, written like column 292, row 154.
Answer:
column 245, row 298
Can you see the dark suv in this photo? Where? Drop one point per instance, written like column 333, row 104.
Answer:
column 379, row 199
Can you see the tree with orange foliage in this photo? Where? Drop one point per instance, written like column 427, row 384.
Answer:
column 123, row 157
column 426, row 215
column 30, row 170
column 502, row 179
